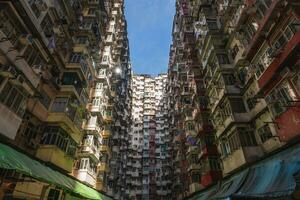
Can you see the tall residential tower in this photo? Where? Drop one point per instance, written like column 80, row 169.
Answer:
column 149, row 160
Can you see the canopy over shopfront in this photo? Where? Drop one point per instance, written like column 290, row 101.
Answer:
column 270, row 178
column 14, row 160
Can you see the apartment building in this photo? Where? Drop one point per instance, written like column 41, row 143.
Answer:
column 195, row 155
column 65, row 79
column 109, row 109
column 243, row 59
column 148, row 159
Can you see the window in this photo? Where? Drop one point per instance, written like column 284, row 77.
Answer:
column 82, row 39
column 251, row 102
column 109, row 37
column 234, row 142
column 223, row 59
column 32, row 131
column 75, row 57
column 99, row 86
column 190, row 126
column 59, row 104
column 102, row 72
column 2, row 79
column 193, row 159
column 54, row 135
column 33, row 58
column 84, row 163
column 295, row 26
column 87, row 25
column 296, row 82
column 247, row 137
column 96, row 101
column 71, row 78
column 8, row 27
column 92, row 11
column 214, row 164
column 225, row 148
column 111, row 28
column 237, row 105
column 264, row 133
column 53, row 194
column 34, row 7
column 105, row 142
column 280, row 99
column 45, row 99
column 229, row 79
column 212, row 24
column 103, row 158
column 14, row 99
column 262, row 8
column 47, row 26
column 234, row 51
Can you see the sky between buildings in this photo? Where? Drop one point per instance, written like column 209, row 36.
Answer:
column 149, row 31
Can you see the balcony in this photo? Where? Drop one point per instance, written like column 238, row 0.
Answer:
column 106, row 133
column 15, row 57
column 100, row 185
column 240, row 157
column 107, row 118
column 280, row 61
column 222, row 92
column 105, row 149
column 66, row 121
column 71, row 89
column 194, row 167
column 86, row 176
column 89, row 150
column 270, row 17
column 95, row 108
column 103, row 167
column 54, row 155
column 9, row 122
column 81, row 67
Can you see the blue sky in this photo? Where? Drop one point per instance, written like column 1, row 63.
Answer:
column 149, row 31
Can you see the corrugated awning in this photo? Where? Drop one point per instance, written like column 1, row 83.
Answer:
column 272, row 178
column 205, row 195
column 230, row 186
column 12, row 159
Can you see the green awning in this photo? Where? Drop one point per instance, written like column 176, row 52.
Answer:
column 12, row 159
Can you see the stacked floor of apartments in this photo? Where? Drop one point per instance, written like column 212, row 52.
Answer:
column 148, row 163
column 65, row 93
column 234, row 95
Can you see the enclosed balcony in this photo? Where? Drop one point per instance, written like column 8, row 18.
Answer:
column 107, row 116
column 78, row 63
column 85, row 170
column 238, row 146
column 57, row 147
column 71, row 84
column 106, row 133
column 90, row 147
column 65, row 112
